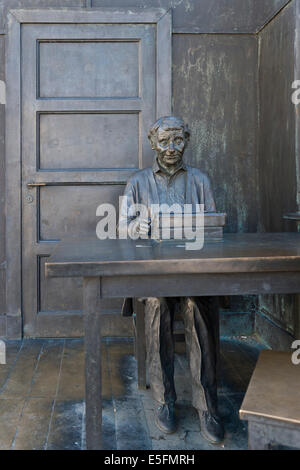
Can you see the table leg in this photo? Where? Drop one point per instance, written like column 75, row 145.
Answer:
column 92, row 325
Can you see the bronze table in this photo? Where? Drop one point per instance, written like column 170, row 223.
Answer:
column 240, row 264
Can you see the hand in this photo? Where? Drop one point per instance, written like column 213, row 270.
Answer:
column 143, row 227
column 140, row 226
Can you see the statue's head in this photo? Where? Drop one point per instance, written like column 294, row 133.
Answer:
column 169, row 137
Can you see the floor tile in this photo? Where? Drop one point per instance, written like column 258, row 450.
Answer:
column 33, row 426
column 10, row 413
column 19, row 381
column 43, row 388
column 66, row 431
column 46, row 376
column 71, row 383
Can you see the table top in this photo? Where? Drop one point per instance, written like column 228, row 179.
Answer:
column 251, row 252
column 274, row 389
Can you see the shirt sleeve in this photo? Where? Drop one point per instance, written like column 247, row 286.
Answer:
column 128, row 200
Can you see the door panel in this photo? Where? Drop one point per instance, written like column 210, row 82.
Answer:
column 88, row 100
column 71, row 210
column 90, row 69
column 85, row 140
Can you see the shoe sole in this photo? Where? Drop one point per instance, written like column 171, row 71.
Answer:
column 163, row 429
column 211, row 441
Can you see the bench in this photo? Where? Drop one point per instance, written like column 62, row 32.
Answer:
column 272, row 402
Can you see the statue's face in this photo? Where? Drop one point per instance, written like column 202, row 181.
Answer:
column 170, row 145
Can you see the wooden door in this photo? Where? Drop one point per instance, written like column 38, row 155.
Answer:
column 89, row 95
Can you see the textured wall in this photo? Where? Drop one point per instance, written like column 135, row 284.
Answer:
column 210, row 16
column 282, row 309
column 277, row 158
column 297, row 77
column 214, row 89
column 277, row 163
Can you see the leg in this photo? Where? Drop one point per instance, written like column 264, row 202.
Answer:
column 91, row 306
column 201, row 326
column 159, row 315
column 160, row 348
column 201, row 329
column 140, row 344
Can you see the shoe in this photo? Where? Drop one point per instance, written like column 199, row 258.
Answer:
column 165, row 418
column 211, row 427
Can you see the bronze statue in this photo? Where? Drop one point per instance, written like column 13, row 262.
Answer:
column 171, row 181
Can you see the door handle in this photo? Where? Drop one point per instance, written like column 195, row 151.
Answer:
column 77, row 183
column 34, row 185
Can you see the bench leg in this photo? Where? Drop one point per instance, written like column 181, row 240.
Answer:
column 258, row 438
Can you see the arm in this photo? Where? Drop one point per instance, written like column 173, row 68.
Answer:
column 139, row 225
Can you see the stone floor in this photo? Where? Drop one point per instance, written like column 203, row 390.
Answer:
column 42, row 397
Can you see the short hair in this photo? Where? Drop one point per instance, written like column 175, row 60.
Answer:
column 177, row 122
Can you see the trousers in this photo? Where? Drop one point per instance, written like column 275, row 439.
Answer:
column 201, row 325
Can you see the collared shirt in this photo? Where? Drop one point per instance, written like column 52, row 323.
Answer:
column 152, row 186
column 171, row 188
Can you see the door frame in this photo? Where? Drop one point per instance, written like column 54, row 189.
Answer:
column 13, row 150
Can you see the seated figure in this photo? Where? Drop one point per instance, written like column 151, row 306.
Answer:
column 170, row 181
